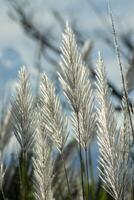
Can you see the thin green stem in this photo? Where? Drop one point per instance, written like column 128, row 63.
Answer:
column 23, row 176
column 80, row 156
column 66, row 175
column 91, row 173
column 87, row 171
column 81, row 170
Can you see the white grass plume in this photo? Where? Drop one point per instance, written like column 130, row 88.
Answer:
column 43, row 166
column 113, row 159
column 53, row 117
column 78, row 89
column 24, row 118
column 5, row 129
column 128, row 141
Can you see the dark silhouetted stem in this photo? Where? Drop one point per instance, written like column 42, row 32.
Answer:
column 80, row 156
column 87, row 172
column 66, row 175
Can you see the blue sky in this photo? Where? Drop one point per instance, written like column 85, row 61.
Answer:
column 13, row 40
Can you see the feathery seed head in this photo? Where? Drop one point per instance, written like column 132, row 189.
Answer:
column 24, row 117
column 43, row 166
column 113, row 160
column 51, row 110
column 77, row 87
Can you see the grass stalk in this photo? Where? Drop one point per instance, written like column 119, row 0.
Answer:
column 87, row 171
column 66, row 175
column 91, row 173
column 80, row 157
column 121, row 71
column 120, row 65
column 24, row 189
